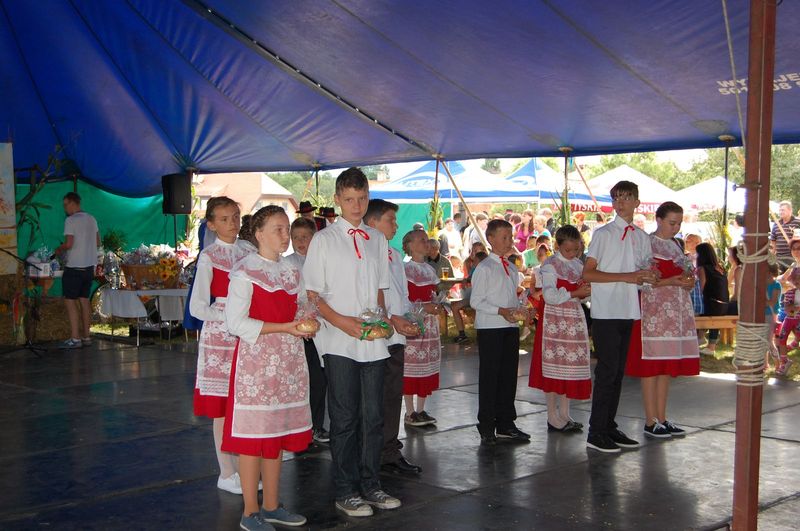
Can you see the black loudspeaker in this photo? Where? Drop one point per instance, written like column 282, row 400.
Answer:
column 177, row 190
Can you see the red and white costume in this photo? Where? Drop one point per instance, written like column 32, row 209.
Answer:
column 268, row 402
column 560, row 361
column 664, row 342
column 215, row 347
column 423, row 354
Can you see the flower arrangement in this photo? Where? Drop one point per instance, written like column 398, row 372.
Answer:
column 151, row 265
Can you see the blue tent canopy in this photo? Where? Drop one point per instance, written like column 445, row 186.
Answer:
column 136, row 89
column 547, row 185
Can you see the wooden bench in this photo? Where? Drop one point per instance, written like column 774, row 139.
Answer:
column 726, row 324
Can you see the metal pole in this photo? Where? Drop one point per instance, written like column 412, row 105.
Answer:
column 464, row 203
column 761, row 69
column 728, row 139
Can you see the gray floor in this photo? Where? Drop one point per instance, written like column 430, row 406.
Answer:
column 104, row 438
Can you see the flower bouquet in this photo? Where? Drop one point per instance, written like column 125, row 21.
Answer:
column 151, row 266
column 43, row 264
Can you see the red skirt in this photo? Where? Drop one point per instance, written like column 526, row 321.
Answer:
column 267, row 447
column 574, row 389
column 212, row 407
column 641, row 368
column 421, row 386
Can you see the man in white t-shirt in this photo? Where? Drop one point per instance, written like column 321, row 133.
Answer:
column 81, row 240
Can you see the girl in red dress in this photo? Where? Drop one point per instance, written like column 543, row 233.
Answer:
column 423, row 353
column 268, row 400
column 664, row 343
column 560, row 361
column 215, row 347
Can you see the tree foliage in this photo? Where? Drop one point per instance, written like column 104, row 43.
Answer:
column 491, row 165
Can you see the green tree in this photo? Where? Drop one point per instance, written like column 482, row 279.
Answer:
column 303, row 186
column 491, row 165
column 375, row 173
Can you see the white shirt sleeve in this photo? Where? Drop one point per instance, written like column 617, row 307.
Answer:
column 481, row 288
column 552, row 294
column 383, row 267
column 200, row 303
column 313, row 273
column 237, row 311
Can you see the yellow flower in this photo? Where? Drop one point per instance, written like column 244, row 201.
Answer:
column 165, row 275
column 164, row 261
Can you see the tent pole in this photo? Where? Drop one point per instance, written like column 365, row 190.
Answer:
column 464, row 204
column 316, row 179
column 586, row 184
column 761, row 69
column 565, row 210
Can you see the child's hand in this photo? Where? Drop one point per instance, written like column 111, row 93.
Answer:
column 432, row 308
column 583, row 291
column 291, row 328
column 350, row 326
column 404, row 327
column 508, row 314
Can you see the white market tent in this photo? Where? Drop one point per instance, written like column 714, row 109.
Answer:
column 651, row 192
column 710, row 195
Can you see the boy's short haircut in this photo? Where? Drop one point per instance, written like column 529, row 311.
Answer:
column 480, row 216
column 624, row 188
column 303, row 223
column 567, row 233
column 515, row 259
column 533, row 237
column 773, row 268
column 542, row 238
column 377, row 208
column 351, row 178
column 481, row 255
column 667, row 208
column 496, row 225
column 73, row 197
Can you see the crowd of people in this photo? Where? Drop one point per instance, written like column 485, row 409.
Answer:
column 628, row 298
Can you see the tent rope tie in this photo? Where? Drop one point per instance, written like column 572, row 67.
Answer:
column 752, row 339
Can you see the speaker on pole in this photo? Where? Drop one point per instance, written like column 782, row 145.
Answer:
column 177, row 191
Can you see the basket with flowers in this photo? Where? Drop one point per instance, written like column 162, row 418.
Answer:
column 151, row 266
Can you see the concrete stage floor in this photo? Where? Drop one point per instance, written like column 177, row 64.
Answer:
column 104, row 438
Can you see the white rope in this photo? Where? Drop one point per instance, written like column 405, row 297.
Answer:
column 752, row 339
column 733, row 71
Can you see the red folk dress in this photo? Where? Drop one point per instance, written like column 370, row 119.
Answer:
column 560, row 361
column 423, row 355
column 215, row 346
column 268, row 403
column 664, row 342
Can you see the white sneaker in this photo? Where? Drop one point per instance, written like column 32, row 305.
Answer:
column 230, row 484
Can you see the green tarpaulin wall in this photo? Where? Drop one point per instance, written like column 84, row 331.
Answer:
column 410, row 213
column 139, row 219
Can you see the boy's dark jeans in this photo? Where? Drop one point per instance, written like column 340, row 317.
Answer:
column 611, row 338
column 498, row 350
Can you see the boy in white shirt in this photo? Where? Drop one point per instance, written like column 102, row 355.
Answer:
column 617, row 262
column 382, row 215
column 494, row 298
column 347, row 271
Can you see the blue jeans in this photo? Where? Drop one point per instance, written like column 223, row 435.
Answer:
column 355, row 406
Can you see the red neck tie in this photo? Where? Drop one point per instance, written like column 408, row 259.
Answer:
column 390, row 256
column 353, row 232
column 628, row 228
column 505, row 264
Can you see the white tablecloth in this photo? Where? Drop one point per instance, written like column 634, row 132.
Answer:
column 126, row 303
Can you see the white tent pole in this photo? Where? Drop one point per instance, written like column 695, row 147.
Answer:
column 464, row 203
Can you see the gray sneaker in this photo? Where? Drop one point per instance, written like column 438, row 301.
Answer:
column 381, row 500
column 70, row 344
column 354, row 506
column 255, row 522
column 282, row 517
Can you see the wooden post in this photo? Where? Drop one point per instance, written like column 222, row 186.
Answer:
column 757, row 169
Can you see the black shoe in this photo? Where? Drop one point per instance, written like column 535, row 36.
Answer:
column 488, row 440
column 674, row 430
column 513, row 434
column 622, row 440
column 656, row 430
column 401, row 466
column 460, row 338
column 602, row 443
column 562, row 429
column 321, row 436
column 576, row 424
